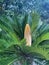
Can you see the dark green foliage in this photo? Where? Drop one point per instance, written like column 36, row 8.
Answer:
column 12, row 42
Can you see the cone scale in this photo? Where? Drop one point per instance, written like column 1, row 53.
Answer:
column 27, row 35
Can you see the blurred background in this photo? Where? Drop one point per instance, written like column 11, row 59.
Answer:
column 10, row 7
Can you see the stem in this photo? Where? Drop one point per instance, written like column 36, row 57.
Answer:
column 26, row 62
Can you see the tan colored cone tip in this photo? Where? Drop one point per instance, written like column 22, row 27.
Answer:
column 27, row 35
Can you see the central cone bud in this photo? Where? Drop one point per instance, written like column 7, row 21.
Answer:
column 27, row 35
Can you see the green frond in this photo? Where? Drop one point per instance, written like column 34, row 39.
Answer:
column 12, row 38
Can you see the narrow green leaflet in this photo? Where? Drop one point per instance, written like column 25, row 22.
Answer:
column 7, row 60
column 35, row 20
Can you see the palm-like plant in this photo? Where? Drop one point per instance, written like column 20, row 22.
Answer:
column 12, row 43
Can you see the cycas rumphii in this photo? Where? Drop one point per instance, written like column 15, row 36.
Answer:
column 22, row 37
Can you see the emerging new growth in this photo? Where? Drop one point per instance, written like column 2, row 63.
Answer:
column 27, row 35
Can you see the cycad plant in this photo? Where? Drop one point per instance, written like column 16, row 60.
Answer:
column 14, row 42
